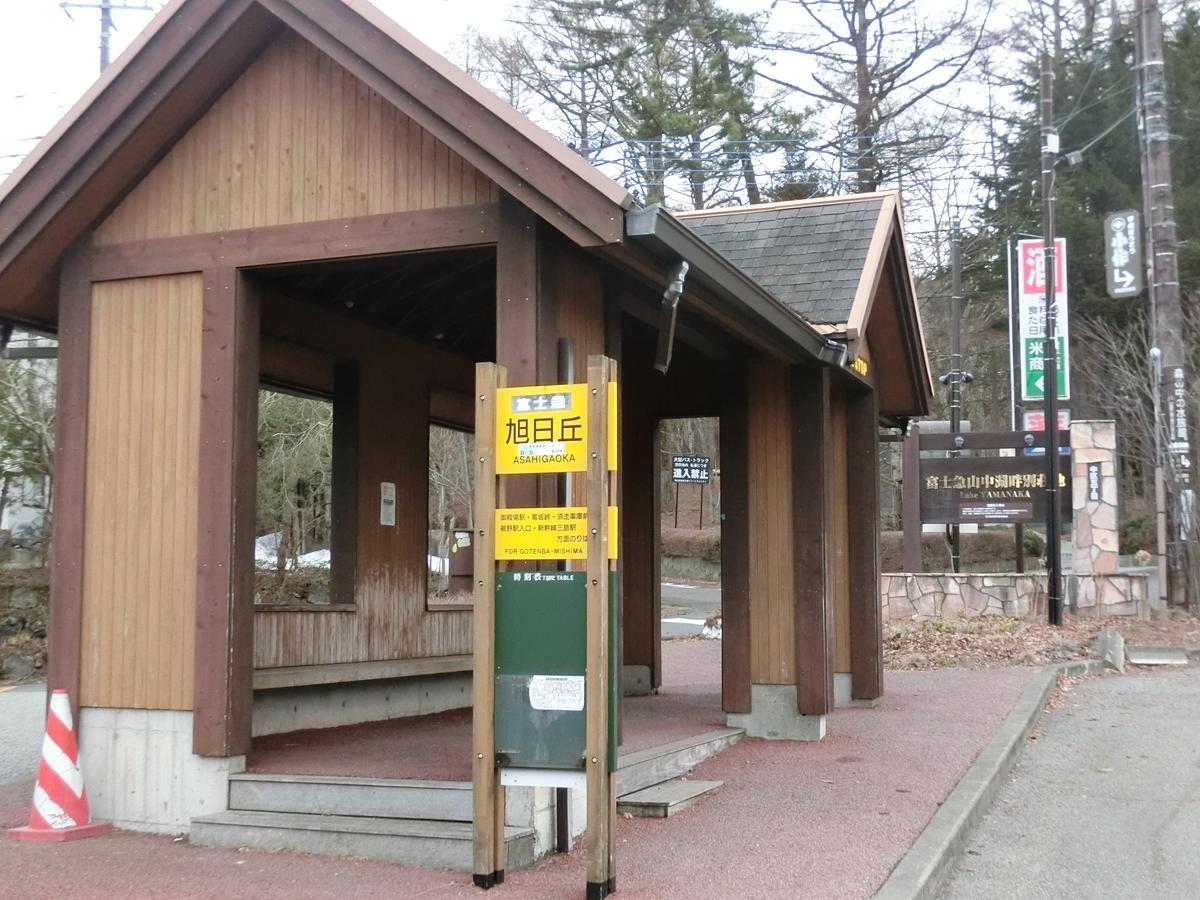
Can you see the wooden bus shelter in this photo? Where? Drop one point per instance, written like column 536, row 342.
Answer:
column 299, row 193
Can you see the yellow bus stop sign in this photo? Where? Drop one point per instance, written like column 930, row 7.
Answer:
column 544, row 429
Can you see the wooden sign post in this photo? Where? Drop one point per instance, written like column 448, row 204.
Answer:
column 544, row 675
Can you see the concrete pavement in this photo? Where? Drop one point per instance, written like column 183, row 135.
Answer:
column 22, row 718
column 690, row 605
column 1105, row 803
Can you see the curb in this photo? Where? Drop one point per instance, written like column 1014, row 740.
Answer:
column 920, row 873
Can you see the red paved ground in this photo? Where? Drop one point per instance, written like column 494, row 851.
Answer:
column 792, row 820
column 438, row 747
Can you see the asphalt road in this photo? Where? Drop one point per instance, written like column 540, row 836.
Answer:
column 690, row 606
column 1105, row 803
column 22, row 718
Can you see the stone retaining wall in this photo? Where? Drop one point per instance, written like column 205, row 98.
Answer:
column 936, row 595
column 23, row 629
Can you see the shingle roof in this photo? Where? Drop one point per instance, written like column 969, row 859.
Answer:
column 809, row 256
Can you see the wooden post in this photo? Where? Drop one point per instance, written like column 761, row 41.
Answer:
column 812, row 500
column 488, row 795
column 600, row 798
column 735, row 543
column 911, row 499
column 223, row 695
column 866, row 627
column 70, row 474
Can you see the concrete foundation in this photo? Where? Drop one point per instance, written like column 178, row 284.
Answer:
column 843, row 684
column 773, row 716
column 140, row 772
column 280, row 710
column 534, row 807
column 635, row 681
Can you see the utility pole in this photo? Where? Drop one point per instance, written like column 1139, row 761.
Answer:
column 106, row 8
column 1172, row 388
column 1050, row 349
column 956, row 370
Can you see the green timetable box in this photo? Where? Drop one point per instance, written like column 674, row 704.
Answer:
column 541, row 651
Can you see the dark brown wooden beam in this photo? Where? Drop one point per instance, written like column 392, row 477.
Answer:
column 866, row 626
column 525, row 344
column 812, row 556
column 735, row 542
column 343, row 542
column 229, row 368
column 70, row 474
column 448, row 228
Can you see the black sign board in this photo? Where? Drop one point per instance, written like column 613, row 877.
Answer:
column 1123, row 254
column 1093, row 482
column 689, row 469
column 988, row 490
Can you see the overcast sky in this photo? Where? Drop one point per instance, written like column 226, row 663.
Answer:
column 49, row 58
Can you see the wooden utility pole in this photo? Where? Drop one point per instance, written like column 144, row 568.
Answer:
column 1172, row 376
column 1050, row 351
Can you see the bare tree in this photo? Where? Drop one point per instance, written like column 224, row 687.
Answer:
column 874, row 60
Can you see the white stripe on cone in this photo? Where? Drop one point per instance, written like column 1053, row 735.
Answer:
column 62, row 765
column 50, row 811
column 61, row 707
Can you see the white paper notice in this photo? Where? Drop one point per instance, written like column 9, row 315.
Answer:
column 387, row 503
column 556, row 692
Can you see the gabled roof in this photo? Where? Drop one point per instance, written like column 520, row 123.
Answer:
column 811, row 254
column 186, row 58
column 825, row 258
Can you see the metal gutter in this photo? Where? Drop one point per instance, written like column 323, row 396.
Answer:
column 666, row 236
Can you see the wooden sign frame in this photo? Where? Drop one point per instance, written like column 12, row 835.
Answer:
column 600, row 754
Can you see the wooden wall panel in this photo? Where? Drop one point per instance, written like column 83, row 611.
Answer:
column 772, row 612
column 297, row 138
column 840, row 526
column 389, row 620
column 139, row 583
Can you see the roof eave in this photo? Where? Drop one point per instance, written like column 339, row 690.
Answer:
column 666, row 236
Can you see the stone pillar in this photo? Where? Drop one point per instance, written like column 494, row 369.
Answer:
column 1094, row 497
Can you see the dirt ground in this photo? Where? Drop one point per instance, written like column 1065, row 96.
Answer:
column 984, row 643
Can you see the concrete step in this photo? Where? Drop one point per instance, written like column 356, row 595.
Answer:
column 444, row 801
column 663, row 800
column 636, row 771
column 437, row 845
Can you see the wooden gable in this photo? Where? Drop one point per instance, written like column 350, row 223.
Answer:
column 295, row 139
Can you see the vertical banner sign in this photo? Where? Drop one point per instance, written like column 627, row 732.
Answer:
column 1031, row 318
column 1122, row 254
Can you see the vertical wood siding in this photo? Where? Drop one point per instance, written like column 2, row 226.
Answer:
column 139, row 582
column 772, row 603
column 840, row 525
column 297, row 138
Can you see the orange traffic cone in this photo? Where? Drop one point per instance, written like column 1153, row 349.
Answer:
column 60, row 807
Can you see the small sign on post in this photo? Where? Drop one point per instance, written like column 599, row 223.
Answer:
column 1122, row 254
column 690, row 470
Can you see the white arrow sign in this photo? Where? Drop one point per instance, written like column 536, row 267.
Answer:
column 1123, row 279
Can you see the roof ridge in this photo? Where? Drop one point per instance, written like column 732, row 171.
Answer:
column 786, row 204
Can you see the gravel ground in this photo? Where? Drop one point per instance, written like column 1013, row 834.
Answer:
column 827, row 819
column 1105, row 803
